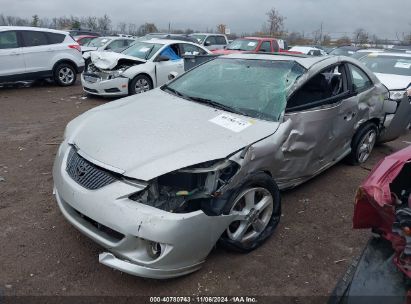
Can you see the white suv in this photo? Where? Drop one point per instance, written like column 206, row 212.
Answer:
column 29, row 53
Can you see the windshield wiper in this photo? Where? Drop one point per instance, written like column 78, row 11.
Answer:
column 175, row 92
column 216, row 105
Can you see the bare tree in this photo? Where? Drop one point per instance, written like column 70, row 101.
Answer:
column 122, row 26
column 221, row 28
column 275, row 22
column 344, row 40
column 147, row 28
column 360, row 36
column 326, row 39
column 91, row 23
column 104, row 23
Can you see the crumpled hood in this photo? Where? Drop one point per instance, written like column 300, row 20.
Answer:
column 108, row 60
column 150, row 134
column 394, row 82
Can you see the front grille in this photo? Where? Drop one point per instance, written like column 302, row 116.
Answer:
column 108, row 232
column 87, row 174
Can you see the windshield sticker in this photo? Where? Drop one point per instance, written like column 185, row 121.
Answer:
column 252, row 44
column 144, row 49
column 104, row 40
column 231, row 122
column 402, row 65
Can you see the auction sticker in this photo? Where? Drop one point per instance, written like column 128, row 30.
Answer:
column 231, row 122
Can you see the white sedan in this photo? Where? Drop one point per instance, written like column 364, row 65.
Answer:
column 308, row 50
column 113, row 44
column 140, row 68
column 393, row 70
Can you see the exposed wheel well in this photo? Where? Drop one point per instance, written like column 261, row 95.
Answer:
column 68, row 61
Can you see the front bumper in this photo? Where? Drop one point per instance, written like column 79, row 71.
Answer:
column 126, row 228
column 111, row 87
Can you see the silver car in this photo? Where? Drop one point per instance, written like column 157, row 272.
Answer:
column 159, row 178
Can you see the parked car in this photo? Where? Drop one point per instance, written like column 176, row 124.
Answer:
column 113, row 44
column 346, row 50
column 211, row 41
column 79, row 31
column 308, row 50
column 181, row 37
column 142, row 67
column 365, row 52
column 383, row 205
column 84, row 39
column 158, row 178
column 392, row 69
column 254, row 45
column 30, row 53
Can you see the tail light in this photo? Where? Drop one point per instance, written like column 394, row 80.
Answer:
column 75, row 46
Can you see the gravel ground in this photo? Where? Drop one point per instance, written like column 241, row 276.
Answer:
column 42, row 254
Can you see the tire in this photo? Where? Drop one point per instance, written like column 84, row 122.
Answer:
column 259, row 224
column 64, row 74
column 140, row 84
column 362, row 144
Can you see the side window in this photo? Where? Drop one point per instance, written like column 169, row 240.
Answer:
column 265, row 47
column 114, row 45
column 211, row 40
column 172, row 52
column 55, row 38
column 189, row 49
column 34, row 38
column 220, row 40
column 324, row 88
column 360, row 81
column 8, row 40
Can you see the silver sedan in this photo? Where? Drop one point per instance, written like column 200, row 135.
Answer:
column 159, row 178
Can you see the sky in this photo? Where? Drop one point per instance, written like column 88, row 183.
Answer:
column 385, row 18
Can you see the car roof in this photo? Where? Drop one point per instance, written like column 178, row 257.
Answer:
column 258, row 38
column 30, row 28
column 167, row 41
column 207, row 34
column 391, row 54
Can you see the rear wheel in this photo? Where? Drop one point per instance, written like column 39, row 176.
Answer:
column 258, row 206
column 362, row 144
column 65, row 74
column 140, row 84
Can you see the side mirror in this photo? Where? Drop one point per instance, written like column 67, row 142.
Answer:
column 162, row 58
column 172, row 75
column 207, row 43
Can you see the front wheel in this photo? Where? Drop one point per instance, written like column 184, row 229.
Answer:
column 65, row 75
column 257, row 204
column 362, row 144
column 140, row 84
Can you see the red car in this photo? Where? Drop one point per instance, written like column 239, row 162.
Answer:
column 383, row 203
column 84, row 39
column 254, row 45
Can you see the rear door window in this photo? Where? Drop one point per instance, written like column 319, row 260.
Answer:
column 34, row 38
column 8, row 40
column 55, row 38
column 220, row 40
column 360, row 81
column 189, row 49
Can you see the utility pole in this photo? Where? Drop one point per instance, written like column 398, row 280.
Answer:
column 321, row 33
column 169, row 27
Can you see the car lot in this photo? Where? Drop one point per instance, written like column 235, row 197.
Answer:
column 43, row 254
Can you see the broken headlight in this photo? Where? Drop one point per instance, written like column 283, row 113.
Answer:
column 186, row 189
column 118, row 72
column 397, row 95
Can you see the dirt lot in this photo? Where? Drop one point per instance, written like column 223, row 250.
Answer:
column 42, row 254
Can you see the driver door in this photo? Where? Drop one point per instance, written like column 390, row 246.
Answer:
column 320, row 125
